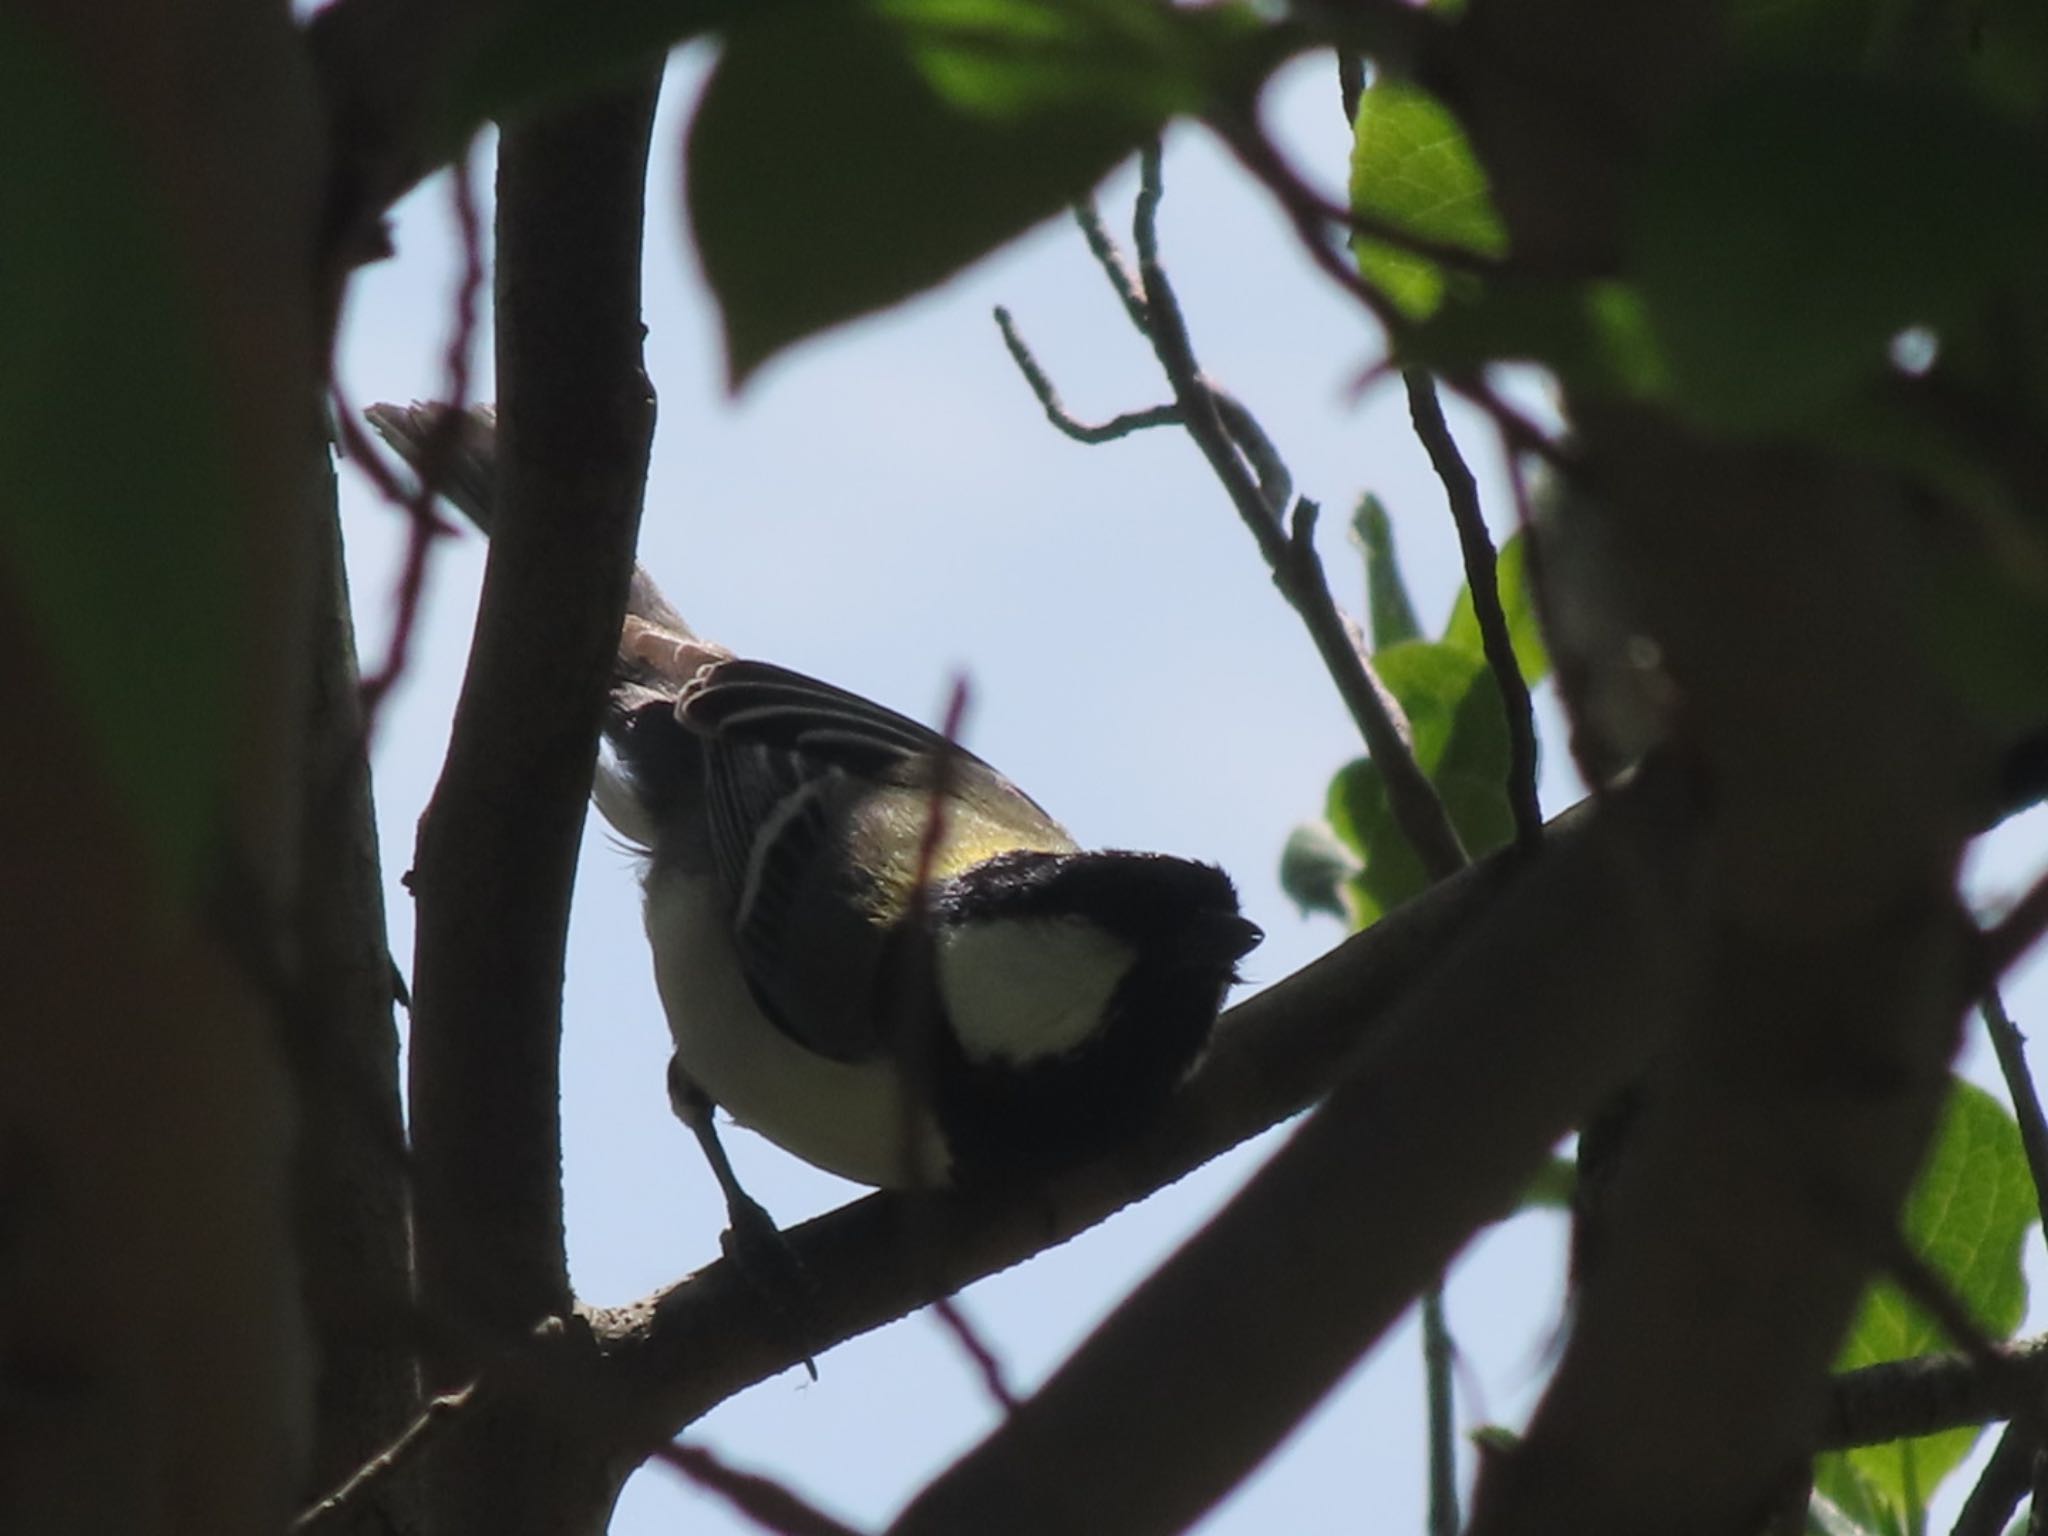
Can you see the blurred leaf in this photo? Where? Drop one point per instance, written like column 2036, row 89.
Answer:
column 1967, row 1216
column 1412, row 169
column 1594, row 335
column 1985, row 624
column 1824, row 1517
column 845, row 157
column 1388, row 610
column 1313, row 869
column 1518, row 602
column 119, row 531
column 1554, row 1187
column 1791, row 226
column 1494, row 1437
column 1459, row 740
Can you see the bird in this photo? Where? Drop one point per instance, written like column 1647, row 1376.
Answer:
column 872, row 948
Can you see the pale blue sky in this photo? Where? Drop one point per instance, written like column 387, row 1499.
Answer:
column 887, row 505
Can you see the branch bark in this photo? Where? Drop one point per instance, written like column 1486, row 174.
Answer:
column 1438, row 1124
column 354, row 1174
column 497, row 846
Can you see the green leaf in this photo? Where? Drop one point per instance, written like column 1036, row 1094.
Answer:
column 1459, row 740
column 1412, row 169
column 1518, row 602
column 1314, row 867
column 119, row 532
column 1967, row 1216
column 1388, row 611
column 847, row 156
column 1791, row 226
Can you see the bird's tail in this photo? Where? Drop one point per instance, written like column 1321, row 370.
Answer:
column 658, row 652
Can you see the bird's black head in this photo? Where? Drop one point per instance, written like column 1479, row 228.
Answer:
column 1079, row 989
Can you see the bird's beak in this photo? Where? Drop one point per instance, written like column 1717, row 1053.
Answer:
column 1214, row 936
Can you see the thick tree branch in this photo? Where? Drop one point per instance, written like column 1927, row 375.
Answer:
column 1436, row 1128
column 673, row 1356
column 1785, row 1125
column 630, row 1378
column 498, row 843
column 354, row 1175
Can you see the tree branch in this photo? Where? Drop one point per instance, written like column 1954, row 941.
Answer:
column 352, row 1188
column 1901, row 1399
column 671, row 1357
column 497, row 846
column 1121, row 425
column 1462, row 1082
column 1293, row 561
column 2001, row 1486
column 1482, row 580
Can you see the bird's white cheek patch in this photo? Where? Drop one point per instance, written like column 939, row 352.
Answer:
column 1019, row 991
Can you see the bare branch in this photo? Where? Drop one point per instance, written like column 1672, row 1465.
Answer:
column 418, row 1435
column 2016, row 933
column 1290, row 555
column 1482, row 580
column 1453, row 1085
column 1927, row 1394
column 1113, row 265
column 2010, row 1046
column 769, row 1504
column 2003, row 1483
column 671, row 1357
column 497, row 846
column 1439, row 1354
column 1377, row 713
column 1056, row 413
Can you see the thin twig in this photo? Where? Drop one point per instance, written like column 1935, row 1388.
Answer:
column 1482, row 579
column 1290, row 555
column 2010, row 1046
column 1439, row 1355
column 438, row 1412
column 1113, row 265
column 995, row 1380
column 376, row 686
column 2005, row 1478
column 1056, row 413
column 1276, row 480
column 2014, row 934
column 1418, row 810
column 918, row 1013
column 762, row 1500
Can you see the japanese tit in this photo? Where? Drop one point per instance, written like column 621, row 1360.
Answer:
column 1030, row 1004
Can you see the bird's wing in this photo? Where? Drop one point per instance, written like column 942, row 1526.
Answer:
column 788, row 759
